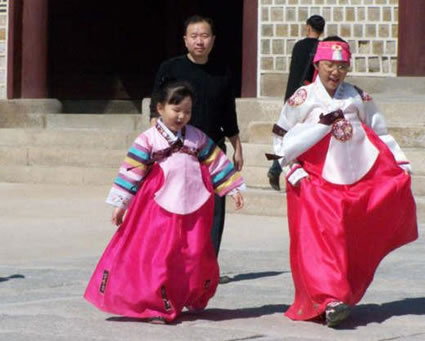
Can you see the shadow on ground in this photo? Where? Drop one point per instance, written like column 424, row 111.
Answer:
column 255, row 275
column 216, row 314
column 364, row 314
column 224, row 314
column 5, row 279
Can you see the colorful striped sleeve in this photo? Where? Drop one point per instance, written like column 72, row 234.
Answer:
column 224, row 176
column 131, row 173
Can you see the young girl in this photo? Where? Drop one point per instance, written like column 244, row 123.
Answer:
column 161, row 259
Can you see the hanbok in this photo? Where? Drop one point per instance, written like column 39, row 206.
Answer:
column 161, row 259
column 356, row 204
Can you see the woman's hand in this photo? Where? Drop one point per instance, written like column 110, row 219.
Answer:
column 238, row 198
column 117, row 216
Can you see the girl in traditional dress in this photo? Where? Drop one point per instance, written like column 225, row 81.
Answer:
column 348, row 189
column 161, row 259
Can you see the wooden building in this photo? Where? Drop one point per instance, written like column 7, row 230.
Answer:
column 87, row 49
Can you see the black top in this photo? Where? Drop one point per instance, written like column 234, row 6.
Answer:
column 213, row 109
column 301, row 68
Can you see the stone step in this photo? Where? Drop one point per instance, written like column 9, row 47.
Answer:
column 406, row 136
column 272, row 203
column 101, row 106
column 126, row 122
column 74, row 174
column 384, row 85
column 257, row 201
column 101, row 156
column 275, row 85
column 409, row 111
column 405, row 109
column 256, row 177
column 50, row 105
column 54, row 174
column 25, row 105
column 68, row 138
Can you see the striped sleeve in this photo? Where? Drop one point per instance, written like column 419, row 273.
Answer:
column 224, row 176
column 131, row 173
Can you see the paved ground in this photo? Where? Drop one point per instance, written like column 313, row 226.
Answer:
column 51, row 237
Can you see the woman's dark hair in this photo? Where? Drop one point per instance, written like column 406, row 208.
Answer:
column 172, row 92
column 335, row 38
column 317, row 23
column 194, row 19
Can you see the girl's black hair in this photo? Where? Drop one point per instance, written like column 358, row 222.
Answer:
column 172, row 92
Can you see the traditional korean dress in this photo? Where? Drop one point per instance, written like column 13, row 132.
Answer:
column 161, row 258
column 356, row 204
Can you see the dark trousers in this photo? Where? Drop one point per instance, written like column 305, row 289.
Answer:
column 218, row 222
column 219, row 211
column 275, row 169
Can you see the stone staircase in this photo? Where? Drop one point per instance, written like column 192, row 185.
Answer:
column 39, row 144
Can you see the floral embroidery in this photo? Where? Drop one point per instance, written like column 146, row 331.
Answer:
column 342, row 130
column 298, row 98
column 104, row 281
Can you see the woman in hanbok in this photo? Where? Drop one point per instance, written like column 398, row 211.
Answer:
column 162, row 259
column 348, row 189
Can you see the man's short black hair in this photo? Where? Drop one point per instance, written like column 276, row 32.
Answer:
column 194, row 19
column 317, row 23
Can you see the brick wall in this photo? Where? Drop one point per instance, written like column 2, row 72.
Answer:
column 3, row 47
column 370, row 26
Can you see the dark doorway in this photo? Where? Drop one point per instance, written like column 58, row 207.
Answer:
column 112, row 50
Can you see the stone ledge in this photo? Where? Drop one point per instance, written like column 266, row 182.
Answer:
column 42, row 105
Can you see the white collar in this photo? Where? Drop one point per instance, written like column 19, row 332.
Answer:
column 173, row 137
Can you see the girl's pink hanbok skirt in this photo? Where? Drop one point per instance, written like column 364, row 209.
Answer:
column 157, row 262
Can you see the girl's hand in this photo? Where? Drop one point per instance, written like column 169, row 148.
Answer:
column 238, row 198
column 117, row 216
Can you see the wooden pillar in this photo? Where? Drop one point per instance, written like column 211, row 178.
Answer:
column 27, row 56
column 249, row 48
column 34, row 49
column 14, row 48
column 411, row 49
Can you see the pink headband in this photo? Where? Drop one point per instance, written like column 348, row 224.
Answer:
column 332, row 50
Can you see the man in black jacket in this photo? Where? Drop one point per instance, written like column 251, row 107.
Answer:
column 214, row 106
column 301, row 72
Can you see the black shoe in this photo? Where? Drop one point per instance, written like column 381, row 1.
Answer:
column 274, row 181
column 224, row 279
column 335, row 313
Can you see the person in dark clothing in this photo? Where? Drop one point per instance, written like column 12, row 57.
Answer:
column 301, row 73
column 214, row 106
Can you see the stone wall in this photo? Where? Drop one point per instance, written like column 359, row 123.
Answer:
column 3, row 47
column 370, row 26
